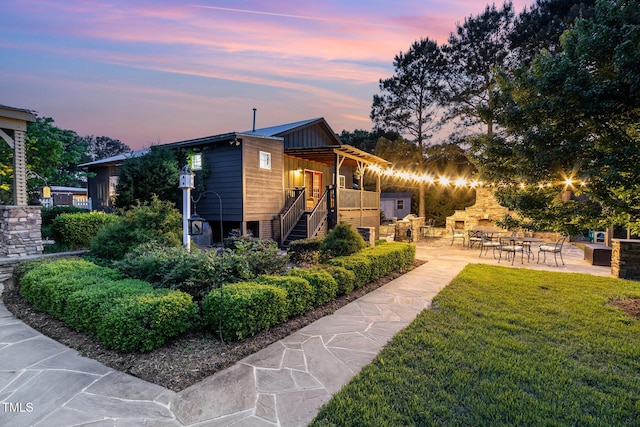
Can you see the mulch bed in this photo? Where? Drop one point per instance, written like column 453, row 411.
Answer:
column 187, row 359
column 629, row 306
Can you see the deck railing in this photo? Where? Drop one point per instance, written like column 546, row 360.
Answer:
column 291, row 215
column 356, row 199
column 317, row 217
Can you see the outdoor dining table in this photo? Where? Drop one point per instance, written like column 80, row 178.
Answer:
column 526, row 242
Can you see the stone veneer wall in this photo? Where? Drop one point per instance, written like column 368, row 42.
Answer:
column 20, row 231
column 625, row 259
column 479, row 216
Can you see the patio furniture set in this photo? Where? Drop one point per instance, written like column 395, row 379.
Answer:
column 509, row 246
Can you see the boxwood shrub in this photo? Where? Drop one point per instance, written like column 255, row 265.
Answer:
column 346, row 279
column 47, row 285
column 325, row 287
column 76, row 230
column 143, row 322
column 372, row 263
column 300, row 294
column 86, row 307
column 247, row 308
column 358, row 264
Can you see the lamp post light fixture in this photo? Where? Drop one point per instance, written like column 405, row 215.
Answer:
column 187, row 178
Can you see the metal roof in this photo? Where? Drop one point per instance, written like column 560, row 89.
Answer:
column 117, row 159
column 281, row 129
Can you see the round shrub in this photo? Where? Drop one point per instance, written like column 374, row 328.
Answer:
column 300, row 294
column 325, row 287
column 343, row 240
column 86, row 307
column 247, row 308
column 358, row 264
column 141, row 323
column 346, row 279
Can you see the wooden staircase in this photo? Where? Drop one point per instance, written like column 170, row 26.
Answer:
column 299, row 232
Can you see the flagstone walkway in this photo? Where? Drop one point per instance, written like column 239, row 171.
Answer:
column 44, row 383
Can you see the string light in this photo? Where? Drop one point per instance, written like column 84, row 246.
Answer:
column 460, row 182
column 464, row 182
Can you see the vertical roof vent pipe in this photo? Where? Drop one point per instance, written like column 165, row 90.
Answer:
column 254, row 119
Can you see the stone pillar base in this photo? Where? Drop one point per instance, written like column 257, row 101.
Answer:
column 20, row 231
column 625, row 259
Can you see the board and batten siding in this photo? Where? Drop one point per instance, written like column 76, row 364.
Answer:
column 312, row 136
column 263, row 188
column 98, row 187
column 224, row 164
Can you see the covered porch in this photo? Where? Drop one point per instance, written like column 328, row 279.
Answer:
column 325, row 184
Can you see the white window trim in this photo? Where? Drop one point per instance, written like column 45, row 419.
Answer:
column 261, row 160
column 196, row 162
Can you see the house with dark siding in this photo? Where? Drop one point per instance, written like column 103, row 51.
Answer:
column 283, row 182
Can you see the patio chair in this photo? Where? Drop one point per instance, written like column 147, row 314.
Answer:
column 489, row 242
column 475, row 236
column 554, row 248
column 457, row 234
column 509, row 246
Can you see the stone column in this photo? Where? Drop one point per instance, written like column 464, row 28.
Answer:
column 20, row 231
column 625, row 259
column 19, row 169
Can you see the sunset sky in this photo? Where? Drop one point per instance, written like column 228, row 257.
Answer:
column 149, row 72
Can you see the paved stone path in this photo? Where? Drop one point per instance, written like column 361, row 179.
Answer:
column 44, row 383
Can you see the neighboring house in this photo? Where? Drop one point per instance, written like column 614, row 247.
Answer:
column 284, row 183
column 66, row 196
column 395, row 205
column 102, row 184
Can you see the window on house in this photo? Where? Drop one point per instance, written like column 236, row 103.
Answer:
column 399, row 205
column 265, row 160
column 196, row 162
column 341, row 181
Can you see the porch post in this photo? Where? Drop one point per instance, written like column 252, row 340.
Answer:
column 19, row 169
column 336, row 188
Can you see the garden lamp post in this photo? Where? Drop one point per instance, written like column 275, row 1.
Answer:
column 186, row 184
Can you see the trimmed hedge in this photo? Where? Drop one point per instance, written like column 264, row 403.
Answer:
column 372, row 263
column 141, row 323
column 346, row 279
column 325, row 287
column 86, row 307
column 300, row 293
column 48, row 285
column 247, row 308
column 124, row 314
column 358, row 264
column 76, row 230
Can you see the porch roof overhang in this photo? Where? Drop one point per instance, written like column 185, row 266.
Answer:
column 326, row 155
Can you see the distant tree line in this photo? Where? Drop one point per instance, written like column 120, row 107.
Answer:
column 520, row 100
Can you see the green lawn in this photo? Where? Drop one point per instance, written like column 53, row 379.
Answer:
column 505, row 346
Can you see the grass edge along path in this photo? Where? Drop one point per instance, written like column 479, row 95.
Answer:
column 505, row 346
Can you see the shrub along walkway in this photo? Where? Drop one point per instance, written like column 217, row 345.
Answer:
column 45, row 383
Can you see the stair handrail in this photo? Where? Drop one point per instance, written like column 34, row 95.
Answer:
column 317, row 216
column 290, row 216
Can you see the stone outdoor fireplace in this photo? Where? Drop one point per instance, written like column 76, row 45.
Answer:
column 479, row 216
